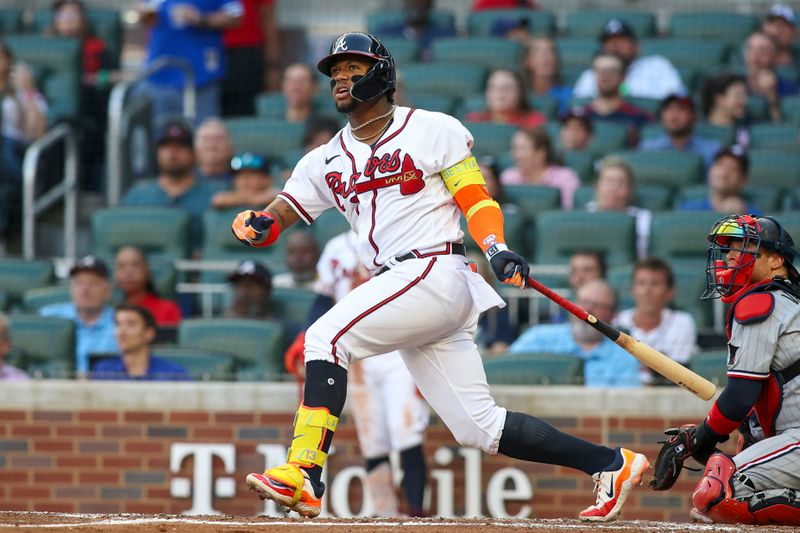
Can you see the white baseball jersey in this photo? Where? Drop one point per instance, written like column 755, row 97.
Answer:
column 391, row 193
column 388, row 412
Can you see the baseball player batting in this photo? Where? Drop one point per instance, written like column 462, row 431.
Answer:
column 750, row 266
column 403, row 177
column 388, row 412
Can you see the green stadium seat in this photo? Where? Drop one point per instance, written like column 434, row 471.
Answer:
column 19, row 275
column 472, row 104
column 582, row 162
column 651, row 105
column 4, row 300
column 534, row 369
column 57, row 62
column 46, row 345
column 775, row 137
column 558, row 234
column 720, row 26
column 590, row 23
column 292, row 305
column 681, row 235
column 608, row 136
column 10, row 20
column 724, row 134
column 488, row 52
column 35, row 299
column 481, row 23
column 577, row 51
column 545, row 104
column 256, row 344
column 619, row 278
column 201, row 363
column 758, row 109
column 106, row 24
column 271, row 105
column 448, row 79
column 665, row 167
column 272, row 137
column 652, row 197
column 569, row 74
column 712, row 365
column 533, row 198
column 430, row 102
column 403, row 50
column 774, row 168
column 161, row 232
column 328, row 225
column 651, row 131
column 766, row 198
column 583, row 195
column 490, row 138
column 687, row 53
column 790, row 109
column 791, row 223
column 690, row 283
column 393, row 17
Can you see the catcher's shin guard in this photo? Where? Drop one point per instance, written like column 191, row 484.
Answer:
column 776, row 507
column 713, row 496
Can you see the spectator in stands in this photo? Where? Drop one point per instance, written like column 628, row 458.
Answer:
column 576, row 131
column 585, row 266
column 252, row 53
column 646, row 77
column 513, row 29
column 535, row 164
column 135, row 330
column 299, row 89
column 213, row 150
column 190, row 30
column 89, row 309
column 651, row 321
column 678, row 118
column 133, row 277
column 176, row 184
column 252, row 287
column 252, row 183
column 614, row 191
column 608, row 103
column 507, row 102
column 419, row 26
column 605, row 363
column 725, row 104
column 488, row 167
column 542, row 71
column 480, row 5
column 781, row 25
column 760, row 54
column 8, row 372
column 302, row 254
column 319, row 131
column 727, row 178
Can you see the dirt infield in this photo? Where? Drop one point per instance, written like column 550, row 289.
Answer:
column 39, row 521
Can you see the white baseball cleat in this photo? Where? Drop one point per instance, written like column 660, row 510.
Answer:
column 613, row 487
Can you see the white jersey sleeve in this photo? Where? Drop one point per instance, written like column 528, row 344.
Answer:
column 326, row 274
column 305, row 190
column 453, row 143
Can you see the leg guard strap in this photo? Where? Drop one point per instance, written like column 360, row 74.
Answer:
column 776, row 507
column 311, row 425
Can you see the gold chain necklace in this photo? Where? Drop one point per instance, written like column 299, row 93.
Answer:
column 370, row 121
column 380, row 132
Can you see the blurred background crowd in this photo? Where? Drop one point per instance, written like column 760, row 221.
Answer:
column 612, row 133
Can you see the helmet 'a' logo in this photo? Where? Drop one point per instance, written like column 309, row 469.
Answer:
column 340, row 44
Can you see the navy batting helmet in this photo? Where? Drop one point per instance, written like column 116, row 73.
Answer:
column 380, row 79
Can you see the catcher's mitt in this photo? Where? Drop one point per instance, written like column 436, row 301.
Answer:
column 677, row 448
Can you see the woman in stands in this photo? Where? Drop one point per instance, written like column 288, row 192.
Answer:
column 542, row 71
column 535, row 163
column 132, row 276
column 507, row 102
column 725, row 105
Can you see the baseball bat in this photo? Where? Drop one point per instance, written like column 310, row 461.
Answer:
column 672, row 370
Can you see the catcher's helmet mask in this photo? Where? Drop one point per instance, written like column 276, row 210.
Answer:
column 380, row 79
column 746, row 234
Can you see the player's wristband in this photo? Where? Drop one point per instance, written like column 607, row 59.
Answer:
column 495, row 249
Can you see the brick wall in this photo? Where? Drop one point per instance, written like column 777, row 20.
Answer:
column 117, row 459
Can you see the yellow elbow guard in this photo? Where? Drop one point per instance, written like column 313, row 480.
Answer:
column 310, row 427
column 467, row 172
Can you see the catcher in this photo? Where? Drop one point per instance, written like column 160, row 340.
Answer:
column 750, row 266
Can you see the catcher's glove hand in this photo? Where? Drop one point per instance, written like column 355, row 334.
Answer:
column 690, row 440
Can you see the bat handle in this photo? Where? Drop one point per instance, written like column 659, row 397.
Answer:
column 576, row 310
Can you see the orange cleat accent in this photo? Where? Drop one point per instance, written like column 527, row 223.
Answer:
column 287, row 485
column 613, row 487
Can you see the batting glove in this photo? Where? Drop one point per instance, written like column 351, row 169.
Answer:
column 509, row 267
column 255, row 228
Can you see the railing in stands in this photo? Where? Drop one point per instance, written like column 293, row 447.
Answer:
column 67, row 189
column 123, row 109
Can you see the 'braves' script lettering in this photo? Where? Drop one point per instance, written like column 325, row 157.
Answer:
column 383, row 164
column 340, row 189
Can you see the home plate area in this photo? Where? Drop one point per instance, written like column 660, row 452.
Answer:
column 41, row 521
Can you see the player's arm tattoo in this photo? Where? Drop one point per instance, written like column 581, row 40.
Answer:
column 283, row 213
